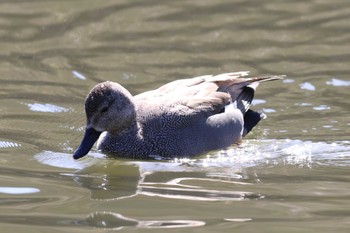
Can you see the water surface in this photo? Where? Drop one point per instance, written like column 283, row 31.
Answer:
column 291, row 174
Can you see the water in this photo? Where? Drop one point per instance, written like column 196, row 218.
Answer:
column 290, row 175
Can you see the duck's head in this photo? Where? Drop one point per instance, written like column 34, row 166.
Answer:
column 108, row 107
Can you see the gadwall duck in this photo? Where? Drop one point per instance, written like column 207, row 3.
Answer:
column 183, row 118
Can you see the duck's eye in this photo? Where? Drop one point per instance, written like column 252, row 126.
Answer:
column 105, row 109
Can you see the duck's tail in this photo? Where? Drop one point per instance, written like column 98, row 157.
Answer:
column 254, row 81
column 251, row 119
column 246, row 95
column 244, row 100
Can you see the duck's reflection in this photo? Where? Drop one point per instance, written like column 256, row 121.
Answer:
column 178, row 189
column 113, row 181
column 117, row 180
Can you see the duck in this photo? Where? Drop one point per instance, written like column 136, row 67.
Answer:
column 183, row 118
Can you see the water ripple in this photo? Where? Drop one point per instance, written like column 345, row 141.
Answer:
column 18, row 190
column 338, row 83
column 8, row 144
column 116, row 221
column 37, row 107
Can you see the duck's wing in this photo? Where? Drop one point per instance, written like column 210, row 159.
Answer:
column 201, row 85
column 172, row 89
column 208, row 93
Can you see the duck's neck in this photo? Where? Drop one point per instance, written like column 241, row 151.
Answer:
column 128, row 144
column 135, row 130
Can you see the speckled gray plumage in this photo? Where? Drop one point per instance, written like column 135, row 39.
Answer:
column 180, row 119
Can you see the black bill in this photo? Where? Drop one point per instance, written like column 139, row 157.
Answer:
column 90, row 137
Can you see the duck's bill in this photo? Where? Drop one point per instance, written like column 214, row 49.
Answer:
column 90, row 137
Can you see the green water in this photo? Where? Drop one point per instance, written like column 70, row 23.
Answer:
column 290, row 175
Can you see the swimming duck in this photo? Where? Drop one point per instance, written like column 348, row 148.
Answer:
column 182, row 118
